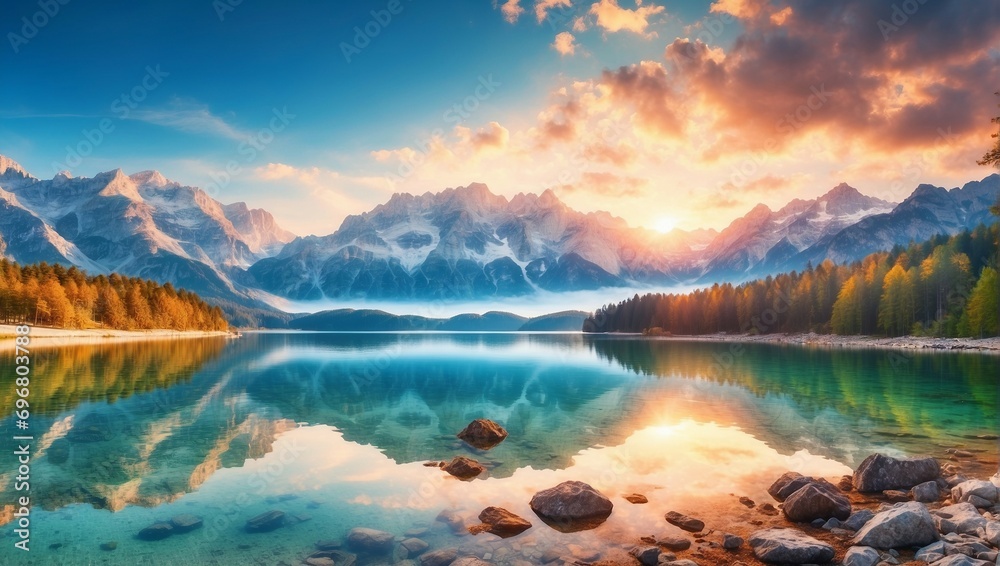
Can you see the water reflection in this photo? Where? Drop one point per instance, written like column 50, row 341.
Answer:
column 336, row 427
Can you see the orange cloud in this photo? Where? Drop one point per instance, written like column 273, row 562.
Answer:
column 613, row 18
column 564, row 43
column 511, row 10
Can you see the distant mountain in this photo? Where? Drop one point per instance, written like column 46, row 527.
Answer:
column 927, row 212
column 461, row 243
column 140, row 225
column 765, row 242
column 351, row 320
column 470, row 243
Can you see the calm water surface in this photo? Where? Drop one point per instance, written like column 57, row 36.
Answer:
column 334, row 429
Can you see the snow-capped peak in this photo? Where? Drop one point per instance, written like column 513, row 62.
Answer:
column 10, row 168
column 150, row 178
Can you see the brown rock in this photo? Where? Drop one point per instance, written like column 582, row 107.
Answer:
column 636, row 498
column 464, row 468
column 684, row 522
column 483, row 434
column 500, row 522
column 571, row 506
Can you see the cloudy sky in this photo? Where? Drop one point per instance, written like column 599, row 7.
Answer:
column 662, row 112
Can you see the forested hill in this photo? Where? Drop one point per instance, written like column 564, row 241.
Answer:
column 946, row 286
column 53, row 295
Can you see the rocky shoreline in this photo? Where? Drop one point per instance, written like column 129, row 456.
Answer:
column 890, row 511
column 980, row 345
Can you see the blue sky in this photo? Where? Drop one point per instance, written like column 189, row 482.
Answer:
column 222, row 72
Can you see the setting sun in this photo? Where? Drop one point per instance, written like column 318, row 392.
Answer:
column 665, row 224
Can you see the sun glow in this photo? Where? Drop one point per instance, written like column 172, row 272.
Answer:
column 665, row 224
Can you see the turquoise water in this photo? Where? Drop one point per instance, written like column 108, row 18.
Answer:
column 334, row 429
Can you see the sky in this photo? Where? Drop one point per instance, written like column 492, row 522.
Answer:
column 666, row 113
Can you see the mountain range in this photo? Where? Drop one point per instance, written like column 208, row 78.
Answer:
column 461, row 243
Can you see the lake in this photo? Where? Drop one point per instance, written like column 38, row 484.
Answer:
column 334, row 431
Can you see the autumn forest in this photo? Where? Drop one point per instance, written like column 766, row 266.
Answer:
column 946, row 286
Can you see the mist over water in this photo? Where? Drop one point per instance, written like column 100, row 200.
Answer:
column 541, row 303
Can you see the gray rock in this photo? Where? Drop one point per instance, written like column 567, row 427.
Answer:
column 731, row 542
column 571, row 506
column 858, row 519
column 413, row 547
column 961, row 560
column 370, row 540
column 817, row 500
column 156, row 531
column 109, row 546
column 787, row 484
column 648, row 555
column 927, row 492
column 977, row 488
column 442, row 557
column 684, row 522
column 674, row 543
column 879, row 472
column 979, row 502
column 789, row 546
column 185, row 523
column 265, row 522
column 861, row 556
column 960, row 518
column 831, row 524
column 934, row 551
column 993, row 533
column 907, row 524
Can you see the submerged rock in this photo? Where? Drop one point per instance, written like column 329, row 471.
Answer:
column 370, row 540
column 906, row 524
column 684, row 522
column 817, row 500
column 109, row 546
column 413, row 547
column 469, row 561
column 265, row 522
column 501, row 522
column 788, row 546
column 483, row 434
column 95, row 427
column 156, row 531
column 464, row 468
column 185, row 523
column 442, row 557
column 571, row 506
column 879, row 472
